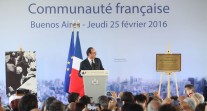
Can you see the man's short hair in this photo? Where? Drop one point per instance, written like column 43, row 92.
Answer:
column 125, row 107
column 174, row 97
column 167, row 107
column 127, row 97
column 85, row 100
column 201, row 107
column 141, row 98
column 89, row 50
column 14, row 105
column 28, row 102
column 72, row 97
column 200, row 97
column 106, row 110
column 79, row 106
column 150, row 104
column 57, row 106
column 49, row 101
column 190, row 86
column 191, row 102
column 132, row 107
column 103, row 101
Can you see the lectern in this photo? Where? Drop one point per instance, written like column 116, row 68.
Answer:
column 95, row 82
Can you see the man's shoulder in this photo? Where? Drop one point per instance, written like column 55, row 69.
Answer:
column 85, row 60
column 97, row 59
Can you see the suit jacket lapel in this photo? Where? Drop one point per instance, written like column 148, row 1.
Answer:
column 88, row 63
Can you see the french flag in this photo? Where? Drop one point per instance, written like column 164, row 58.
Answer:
column 76, row 82
column 69, row 64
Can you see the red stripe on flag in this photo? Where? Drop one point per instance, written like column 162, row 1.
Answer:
column 76, row 83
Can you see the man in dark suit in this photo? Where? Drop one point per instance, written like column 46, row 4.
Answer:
column 91, row 62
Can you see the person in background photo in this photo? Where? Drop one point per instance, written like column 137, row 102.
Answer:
column 13, row 79
column 22, row 62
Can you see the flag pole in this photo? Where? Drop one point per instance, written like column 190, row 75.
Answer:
column 159, row 90
column 168, row 73
column 20, row 49
column 176, row 84
column 69, row 61
column 78, row 25
column 73, row 25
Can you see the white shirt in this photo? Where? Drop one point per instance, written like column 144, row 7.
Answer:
column 90, row 61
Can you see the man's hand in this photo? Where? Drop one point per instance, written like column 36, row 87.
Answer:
column 120, row 94
column 71, row 106
column 167, row 101
column 156, row 94
column 114, row 95
column 85, row 109
column 112, row 105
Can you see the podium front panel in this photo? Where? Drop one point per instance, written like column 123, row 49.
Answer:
column 95, row 86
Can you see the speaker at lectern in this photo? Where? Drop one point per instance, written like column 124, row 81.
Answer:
column 95, row 82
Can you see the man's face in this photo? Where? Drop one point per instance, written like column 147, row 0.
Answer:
column 188, row 91
column 92, row 55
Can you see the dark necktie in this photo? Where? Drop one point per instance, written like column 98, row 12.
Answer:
column 93, row 65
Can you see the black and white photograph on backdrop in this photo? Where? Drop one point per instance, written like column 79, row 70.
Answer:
column 20, row 72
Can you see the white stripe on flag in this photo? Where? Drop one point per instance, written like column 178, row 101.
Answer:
column 76, row 63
